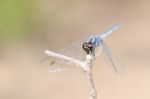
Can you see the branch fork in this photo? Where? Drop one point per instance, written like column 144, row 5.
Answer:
column 86, row 65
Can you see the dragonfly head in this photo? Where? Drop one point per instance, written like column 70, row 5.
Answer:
column 88, row 47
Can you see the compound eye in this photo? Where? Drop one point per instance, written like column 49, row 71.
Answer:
column 89, row 45
column 85, row 45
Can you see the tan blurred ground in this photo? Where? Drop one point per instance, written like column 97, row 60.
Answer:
column 23, row 77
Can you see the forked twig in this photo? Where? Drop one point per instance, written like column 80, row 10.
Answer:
column 85, row 65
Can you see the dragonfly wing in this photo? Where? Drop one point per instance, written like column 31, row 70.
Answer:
column 99, row 51
column 56, row 65
column 117, row 65
column 75, row 50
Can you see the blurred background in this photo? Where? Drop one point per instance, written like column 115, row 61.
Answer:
column 28, row 27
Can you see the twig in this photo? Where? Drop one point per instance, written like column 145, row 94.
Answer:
column 89, row 76
column 85, row 65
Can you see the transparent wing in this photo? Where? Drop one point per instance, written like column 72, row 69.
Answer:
column 98, row 51
column 56, row 65
column 117, row 65
column 73, row 51
column 76, row 51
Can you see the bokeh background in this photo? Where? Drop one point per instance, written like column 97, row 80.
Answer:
column 28, row 27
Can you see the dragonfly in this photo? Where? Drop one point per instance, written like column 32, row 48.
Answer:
column 93, row 45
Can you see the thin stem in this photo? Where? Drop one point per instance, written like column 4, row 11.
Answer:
column 93, row 92
column 89, row 76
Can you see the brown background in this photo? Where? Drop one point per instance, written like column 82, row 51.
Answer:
column 65, row 21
